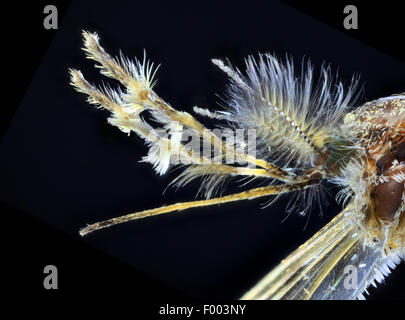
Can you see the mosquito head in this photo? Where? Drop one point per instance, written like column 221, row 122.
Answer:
column 379, row 127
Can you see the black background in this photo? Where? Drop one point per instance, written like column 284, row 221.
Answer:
column 63, row 166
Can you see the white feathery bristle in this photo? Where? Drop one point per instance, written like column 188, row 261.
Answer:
column 159, row 157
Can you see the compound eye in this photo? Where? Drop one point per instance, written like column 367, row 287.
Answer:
column 388, row 195
column 387, row 199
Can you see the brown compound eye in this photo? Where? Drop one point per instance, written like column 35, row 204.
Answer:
column 388, row 195
column 387, row 199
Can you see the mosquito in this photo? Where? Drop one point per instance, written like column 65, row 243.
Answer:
column 307, row 132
